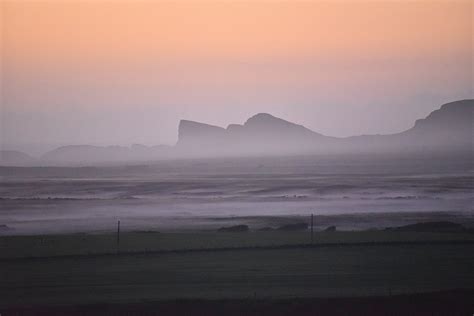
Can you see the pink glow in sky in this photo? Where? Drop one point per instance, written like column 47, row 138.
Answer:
column 123, row 72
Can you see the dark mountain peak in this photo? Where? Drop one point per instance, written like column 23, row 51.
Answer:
column 455, row 110
column 265, row 119
column 457, row 105
column 15, row 158
column 260, row 121
column 262, row 116
column 267, row 124
column 452, row 116
column 186, row 124
column 268, row 121
column 188, row 128
column 194, row 132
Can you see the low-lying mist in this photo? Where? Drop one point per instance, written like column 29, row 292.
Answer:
column 192, row 194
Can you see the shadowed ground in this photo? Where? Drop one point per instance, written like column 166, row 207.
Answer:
column 382, row 266
column 438, row 303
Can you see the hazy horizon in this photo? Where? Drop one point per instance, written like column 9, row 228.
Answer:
column 371, row 68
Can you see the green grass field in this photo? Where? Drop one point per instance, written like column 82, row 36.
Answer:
column 327, row 271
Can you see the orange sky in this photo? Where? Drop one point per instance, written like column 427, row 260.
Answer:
column 154, row 31
column 222, row 61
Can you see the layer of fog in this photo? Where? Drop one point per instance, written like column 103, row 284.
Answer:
column 202, row 194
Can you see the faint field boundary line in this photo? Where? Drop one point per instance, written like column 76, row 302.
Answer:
column 243, row 248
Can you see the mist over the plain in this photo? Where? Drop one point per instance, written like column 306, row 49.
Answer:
column 355, row 192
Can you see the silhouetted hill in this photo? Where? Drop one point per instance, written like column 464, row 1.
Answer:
column 446, row 130
column 450, row 126
column 267, row 125
column 94, row 154
column 262, row 134
column 262, row 126
column 267, row 128
column 15, row 158
column 194, row 134
column 450, row 117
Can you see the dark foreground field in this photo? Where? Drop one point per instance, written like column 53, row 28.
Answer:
column 437, row 303
column 381, row 272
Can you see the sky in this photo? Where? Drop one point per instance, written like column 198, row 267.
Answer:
column 122, row 72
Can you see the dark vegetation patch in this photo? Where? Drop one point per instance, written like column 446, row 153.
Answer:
column 330, row 229
column 4, row 227
column 441, row 226
column 234, row 229
column 294, row 227
column 266, row 229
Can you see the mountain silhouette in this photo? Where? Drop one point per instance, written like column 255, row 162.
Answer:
column 192, row 134
column 449, row 128
column 262, row 134
column 453, row 120
column 100, row 154
column 270, row 128
column 15, row 158
column 446, row 130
